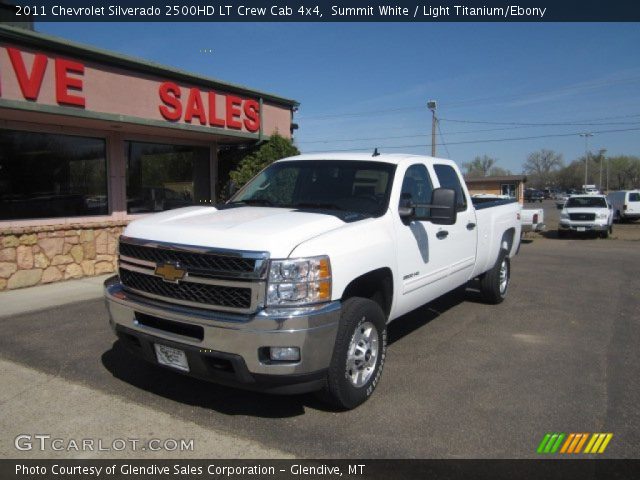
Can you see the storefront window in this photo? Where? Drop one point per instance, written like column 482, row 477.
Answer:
column 46, row 175
column 162, row 177
column 508, row 189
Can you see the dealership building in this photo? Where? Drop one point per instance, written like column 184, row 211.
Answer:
column 91, row 139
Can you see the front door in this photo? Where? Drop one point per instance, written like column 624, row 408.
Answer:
column 423, row 253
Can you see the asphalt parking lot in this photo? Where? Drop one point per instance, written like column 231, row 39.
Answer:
column 462, row 379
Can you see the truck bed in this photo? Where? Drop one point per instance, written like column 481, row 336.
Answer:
column 493, row 216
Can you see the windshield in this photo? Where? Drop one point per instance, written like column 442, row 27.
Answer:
column 353, row 186
column 578, row 202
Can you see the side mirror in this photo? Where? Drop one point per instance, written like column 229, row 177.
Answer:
column 406, row 209
column 610, row 207
column 406, row 213
column 443, row 206
column 441, row 210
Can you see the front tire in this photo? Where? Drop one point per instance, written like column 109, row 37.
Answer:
column 358, row 355
column 495, row 283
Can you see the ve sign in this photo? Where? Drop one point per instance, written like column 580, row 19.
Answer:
column 68, row 77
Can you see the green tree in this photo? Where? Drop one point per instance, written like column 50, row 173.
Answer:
column 275, row 148
column 624, row 172
column 479, row 166
column 571, row 176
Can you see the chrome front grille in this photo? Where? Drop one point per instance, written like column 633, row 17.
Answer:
column 585, row 217
column 209, row 263
column 205, row 294
column 230, row 281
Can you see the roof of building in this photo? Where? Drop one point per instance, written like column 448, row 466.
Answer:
column 59, row 45
column 394, row 158
column 498, row 178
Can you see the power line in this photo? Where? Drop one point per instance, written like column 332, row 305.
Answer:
column 496, row 140
column 516, row 127
column 442, row 139
column 555, row 124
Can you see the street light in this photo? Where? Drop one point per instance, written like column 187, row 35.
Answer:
column 586, row 136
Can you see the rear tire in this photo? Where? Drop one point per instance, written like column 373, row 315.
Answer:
column 495, row 283
column 358, row 355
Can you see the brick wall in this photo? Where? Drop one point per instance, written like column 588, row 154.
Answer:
column 45, row 254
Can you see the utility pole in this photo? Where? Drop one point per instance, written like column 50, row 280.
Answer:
column 432, row 105
column 601, row 155
column 586, row 136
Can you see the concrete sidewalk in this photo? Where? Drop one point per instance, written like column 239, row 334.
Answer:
column 31, row 299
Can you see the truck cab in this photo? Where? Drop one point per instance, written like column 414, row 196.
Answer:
column 290, row 285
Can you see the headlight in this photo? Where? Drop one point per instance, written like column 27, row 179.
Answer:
column 299, row 281
column 564, row 215
column 603, row 215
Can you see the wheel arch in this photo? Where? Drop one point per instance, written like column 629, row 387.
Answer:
column 376, row 285
column 506, row 242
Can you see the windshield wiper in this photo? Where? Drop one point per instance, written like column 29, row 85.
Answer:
column 327, row 206
column 253, row 201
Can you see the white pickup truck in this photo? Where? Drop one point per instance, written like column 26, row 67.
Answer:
column 586, row 213
column 290, row 285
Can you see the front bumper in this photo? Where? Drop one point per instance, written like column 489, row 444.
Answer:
column 229, row 348
column 584, row 226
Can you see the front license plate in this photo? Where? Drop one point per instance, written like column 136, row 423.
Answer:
column 581, row 229
column 171, row 357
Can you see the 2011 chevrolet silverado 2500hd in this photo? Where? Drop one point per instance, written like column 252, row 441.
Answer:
column 289, row 286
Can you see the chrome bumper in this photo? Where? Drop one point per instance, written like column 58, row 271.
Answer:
column 313, row 330
column 588, row 227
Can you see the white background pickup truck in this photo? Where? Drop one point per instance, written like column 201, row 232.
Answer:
column 586, row 213
column 290, row 285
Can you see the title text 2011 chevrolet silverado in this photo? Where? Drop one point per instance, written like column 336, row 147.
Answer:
column 290, row 285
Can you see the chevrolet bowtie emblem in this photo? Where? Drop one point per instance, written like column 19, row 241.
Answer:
column 170, row 272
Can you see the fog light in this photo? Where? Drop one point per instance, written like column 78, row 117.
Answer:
column 284, row 354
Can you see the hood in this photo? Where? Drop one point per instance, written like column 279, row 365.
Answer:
column 275, row 230
column 586, row 210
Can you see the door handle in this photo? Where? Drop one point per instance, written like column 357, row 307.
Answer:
column 442, row 234
column 471, row 226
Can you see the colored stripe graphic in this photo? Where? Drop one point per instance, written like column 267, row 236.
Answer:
column 581, row 442
column 567, row 442
column 573, row 443
column 550, row 443
column 598, row 442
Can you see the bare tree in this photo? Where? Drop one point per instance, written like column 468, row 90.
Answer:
column 479, row 166
column 542, row 165
column 499, row 172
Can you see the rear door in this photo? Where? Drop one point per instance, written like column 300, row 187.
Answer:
column 461, row 238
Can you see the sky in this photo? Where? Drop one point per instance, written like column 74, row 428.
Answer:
column 365, row 85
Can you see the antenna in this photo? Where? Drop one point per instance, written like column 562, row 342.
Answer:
column 375, row 152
